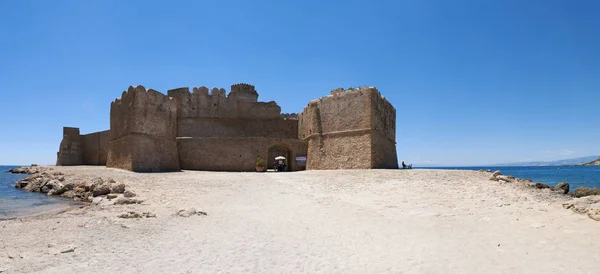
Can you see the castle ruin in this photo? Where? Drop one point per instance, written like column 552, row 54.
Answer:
column 216, row 131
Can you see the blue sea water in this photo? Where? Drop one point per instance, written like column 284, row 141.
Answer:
column 576, row 176
column 15, row 202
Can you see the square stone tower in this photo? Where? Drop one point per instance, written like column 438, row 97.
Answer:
column 143, row 129
column 353, row 129
column 69, row 152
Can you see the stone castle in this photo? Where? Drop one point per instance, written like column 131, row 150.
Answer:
column 216, row 131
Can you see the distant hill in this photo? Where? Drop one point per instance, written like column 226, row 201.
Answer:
column 565, row 162
column 595, row 162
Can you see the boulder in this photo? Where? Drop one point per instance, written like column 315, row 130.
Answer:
column 186, row 212
column 84, row 186
column 128, row 201
column 589, row 205
column 562, row 188
column 55, row 185
column 495, row 175
column 20, row 170
column 133, row 214
column 541, row 186
column 594, row 214
column 111, row 196
column 79, row 190
column 505, row 178
column 118, row 188
column 190, row 212
column 95, row 200
column 45, row 189
column 130, row 215
column 21, row 184
column 96, row 182
column 100, row 190
column 584, row 191
column 69, row 194
column 129, row 194
column 98, row 187
column 36, row 183
column 66, row 187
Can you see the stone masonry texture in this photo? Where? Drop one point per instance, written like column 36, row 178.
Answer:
column 206, row 129
column 353, row 129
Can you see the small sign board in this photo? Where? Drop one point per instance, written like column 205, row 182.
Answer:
column 301, row 160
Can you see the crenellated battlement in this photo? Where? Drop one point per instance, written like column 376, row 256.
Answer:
column 240, row 92
column 140, row 93
column 242, row 102
column 341, row 91
column 138, row 109
column 289, row 116
column 202, row 91
column 242, row 87
column 243, row 92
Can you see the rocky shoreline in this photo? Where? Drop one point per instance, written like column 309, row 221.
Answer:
column 585, row 200
column 95, row 190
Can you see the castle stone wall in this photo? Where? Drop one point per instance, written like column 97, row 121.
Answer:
column 143, row 127
column 95, row 147
column 77, row 149
column 201, row 104
column 384, row 133
column 341, row 112
column 383, row 151
column 233, row 154
column 210, row 127
column 141, row 153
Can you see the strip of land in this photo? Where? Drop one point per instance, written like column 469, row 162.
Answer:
column 367, row 221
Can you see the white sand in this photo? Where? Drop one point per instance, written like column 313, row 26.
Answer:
column 411, row 221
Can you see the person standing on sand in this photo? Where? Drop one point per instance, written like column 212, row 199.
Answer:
column 403, row 165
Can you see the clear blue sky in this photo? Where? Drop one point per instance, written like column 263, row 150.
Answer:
column 473, row 82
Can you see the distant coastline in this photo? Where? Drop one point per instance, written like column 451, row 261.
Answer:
column 581, row 161
column 593, row 163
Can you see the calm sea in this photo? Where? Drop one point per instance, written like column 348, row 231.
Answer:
column 15, row 202
column 576, row 176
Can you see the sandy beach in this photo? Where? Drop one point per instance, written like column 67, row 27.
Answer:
column 351, row 221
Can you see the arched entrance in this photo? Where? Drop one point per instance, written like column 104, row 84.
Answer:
column 275, row 151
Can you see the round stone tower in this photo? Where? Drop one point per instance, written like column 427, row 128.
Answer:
column 243, row 92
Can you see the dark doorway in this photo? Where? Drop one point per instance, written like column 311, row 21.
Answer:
column 276, row 151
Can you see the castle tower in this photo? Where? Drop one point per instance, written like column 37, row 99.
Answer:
column 143, row 125
column 353, row 129
column 243, row 92
column 69, row 152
